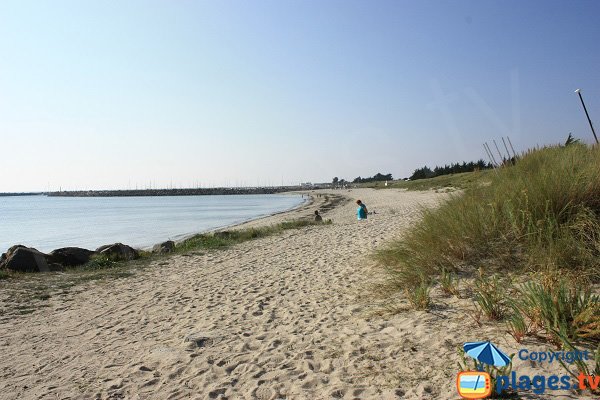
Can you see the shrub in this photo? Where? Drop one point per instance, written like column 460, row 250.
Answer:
column 490, row 294
column 100, row 261
column 563, row 310
column 449, row 282
column 581, row 365
column 419, row 297
column 517, row 327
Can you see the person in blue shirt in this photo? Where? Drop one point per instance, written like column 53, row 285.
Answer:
column 361, row 212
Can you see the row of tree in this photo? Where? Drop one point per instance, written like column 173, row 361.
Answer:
column 454, row 168
column 375, row 178
column 378, row 177
column 423, row 172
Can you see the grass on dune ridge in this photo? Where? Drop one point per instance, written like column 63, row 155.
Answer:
column 541, row 214
column 462, row 180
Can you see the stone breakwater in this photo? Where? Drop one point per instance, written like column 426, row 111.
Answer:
column 173, row 192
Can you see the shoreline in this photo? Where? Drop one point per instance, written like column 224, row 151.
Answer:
column 182, row 237
column 237, row 225
column 324, row 201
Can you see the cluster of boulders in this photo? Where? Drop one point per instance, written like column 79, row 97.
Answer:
column 27, row 259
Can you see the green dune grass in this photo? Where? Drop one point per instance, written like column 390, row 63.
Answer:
column 541, row 214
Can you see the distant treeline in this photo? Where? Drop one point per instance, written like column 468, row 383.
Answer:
column 375, row 178
column 455, row 168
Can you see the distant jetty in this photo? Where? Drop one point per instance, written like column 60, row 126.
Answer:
column 175, row 192
column 20, row 194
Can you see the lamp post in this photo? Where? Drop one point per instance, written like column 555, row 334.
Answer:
column 578, row 91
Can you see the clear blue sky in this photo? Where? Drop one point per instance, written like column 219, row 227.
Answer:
column 114, row 94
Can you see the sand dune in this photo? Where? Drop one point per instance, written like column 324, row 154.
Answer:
column 280, row 317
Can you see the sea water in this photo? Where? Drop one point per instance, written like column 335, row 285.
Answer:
column 48, row 223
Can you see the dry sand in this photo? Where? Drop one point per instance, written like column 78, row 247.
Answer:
column 279, row 317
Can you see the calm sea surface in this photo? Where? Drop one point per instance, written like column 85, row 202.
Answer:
column 48, row 223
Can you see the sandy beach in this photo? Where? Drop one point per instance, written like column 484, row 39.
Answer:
column 283, row 317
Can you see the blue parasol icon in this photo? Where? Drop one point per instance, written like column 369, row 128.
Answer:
column 486, row 353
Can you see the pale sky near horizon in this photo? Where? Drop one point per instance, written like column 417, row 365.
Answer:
column 119, row 94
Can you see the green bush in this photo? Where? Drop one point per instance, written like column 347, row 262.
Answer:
column 490, row 297
column 449, row 282
column 101, row 261
column 419, row 296
column 517, row 327
column 582, row 367
column 563, row 310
